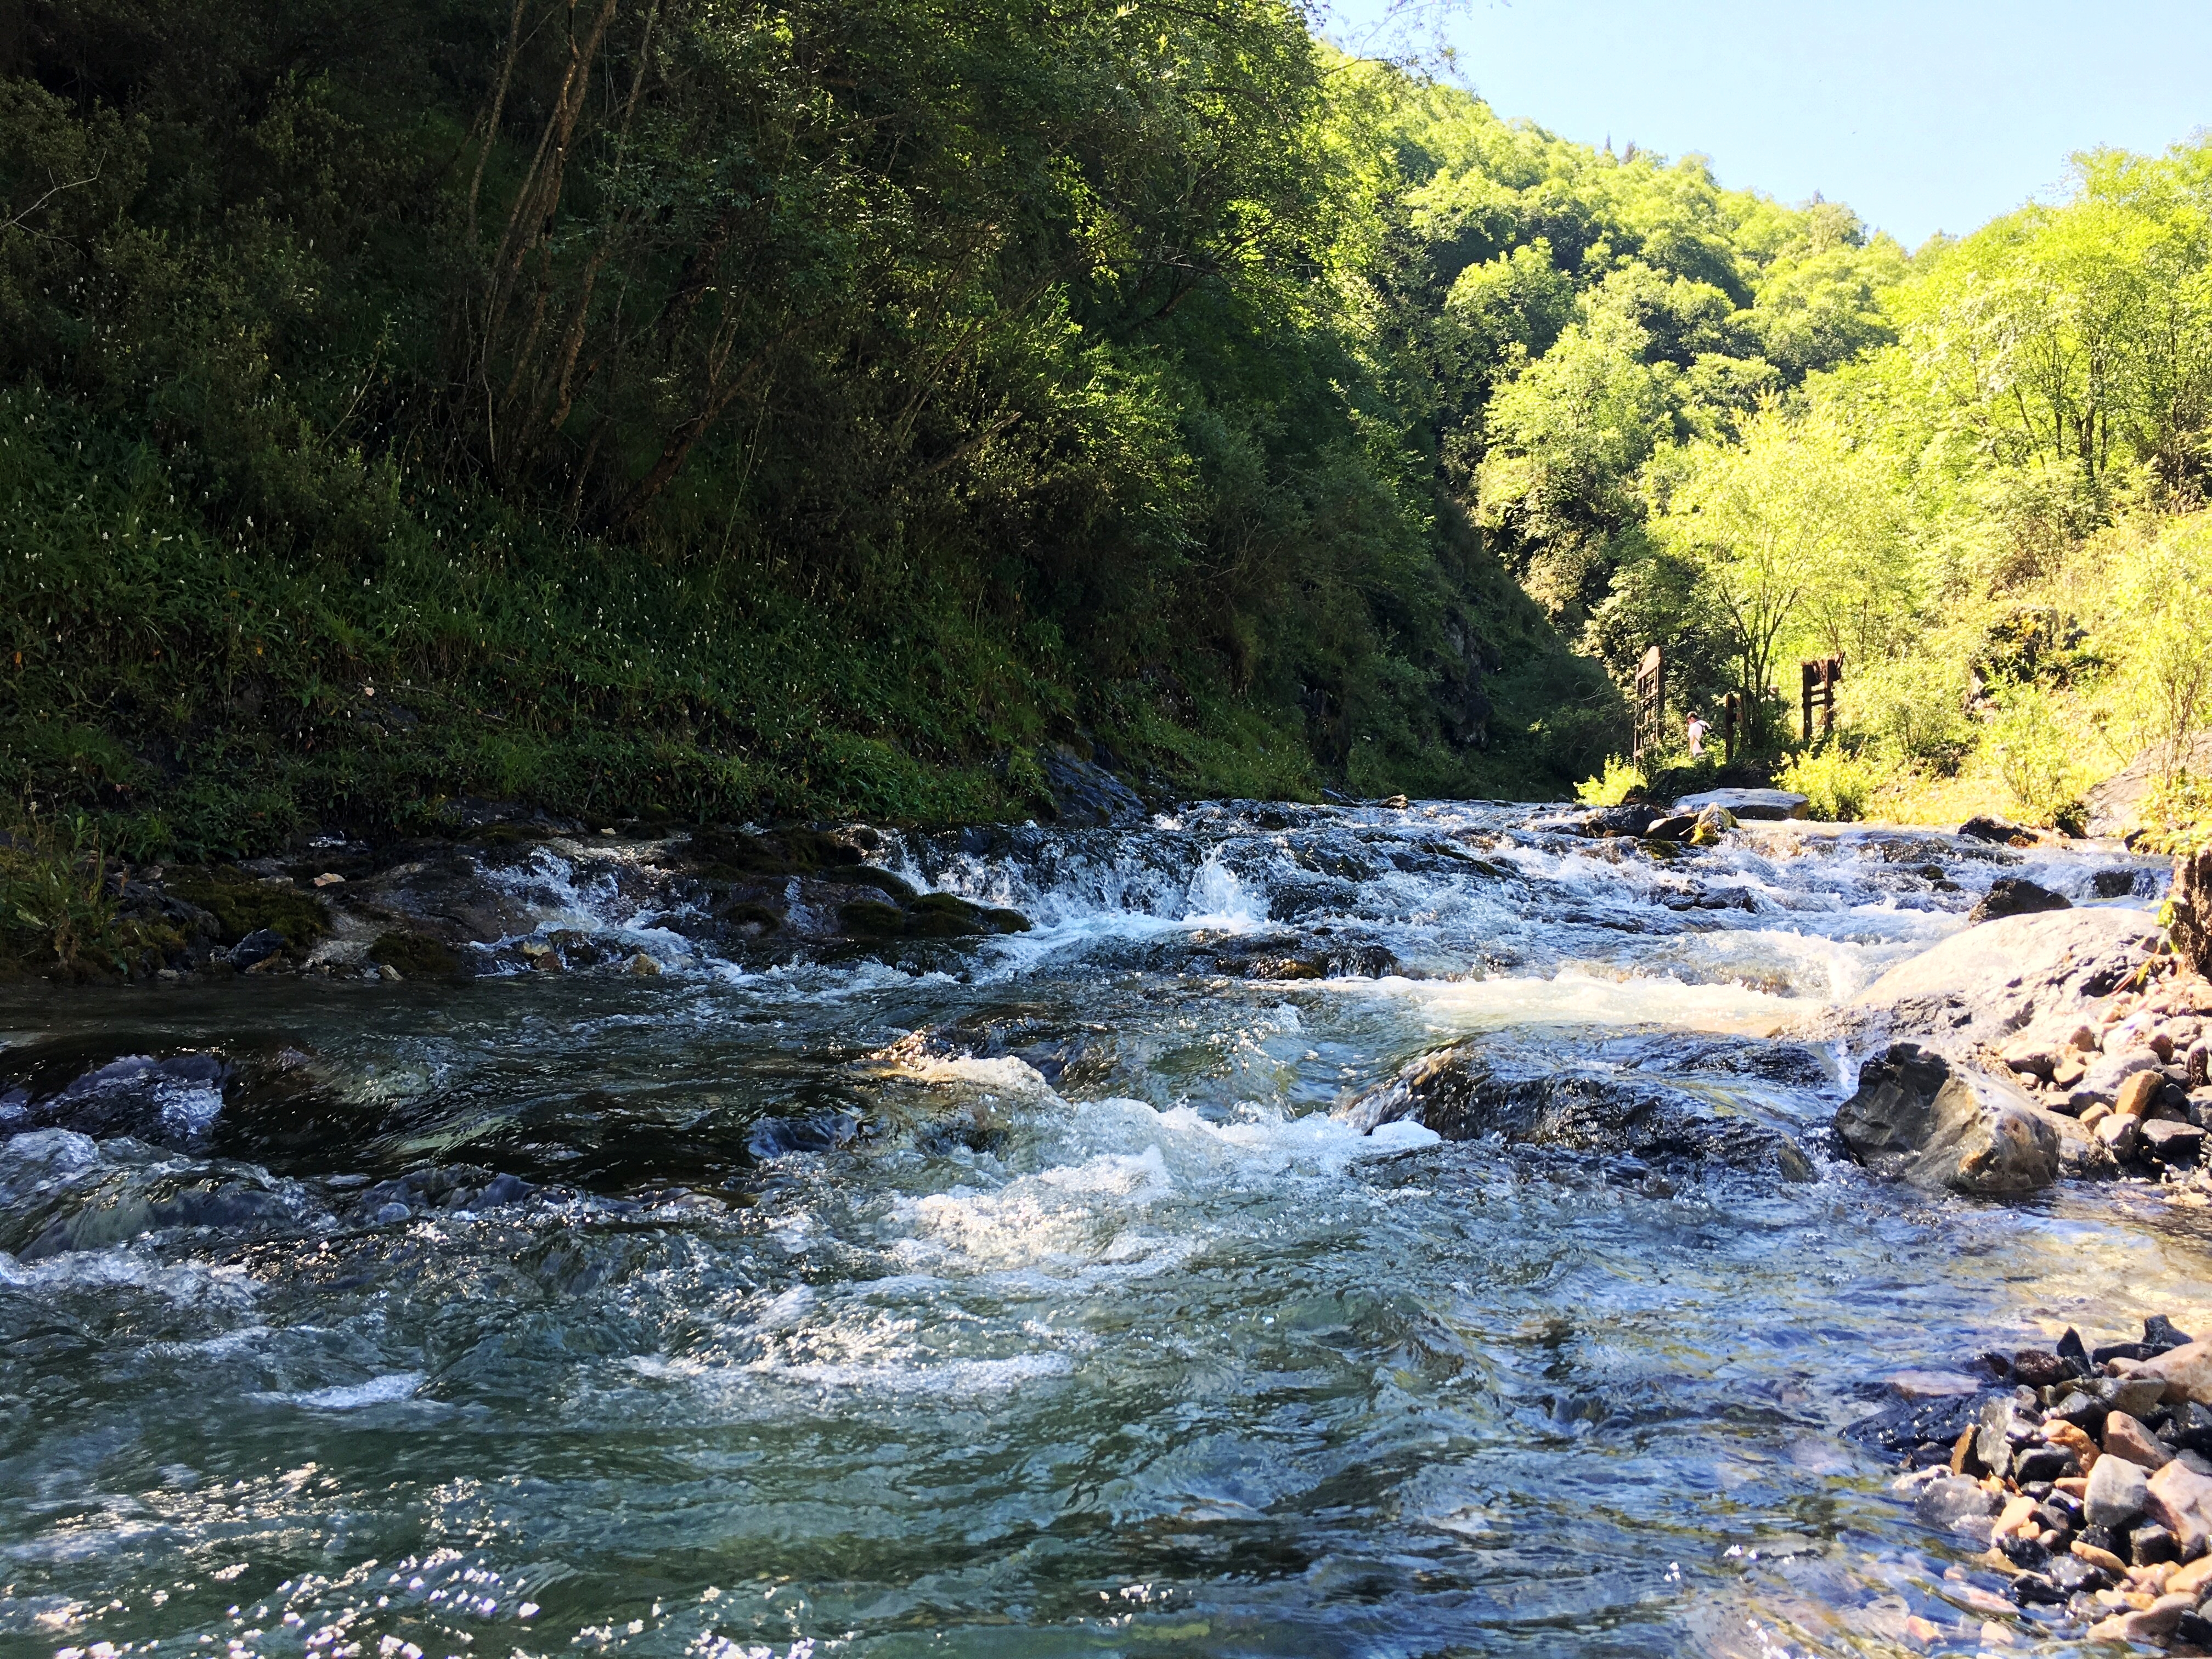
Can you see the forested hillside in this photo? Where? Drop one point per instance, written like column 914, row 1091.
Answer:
column 1997, row 518
column 670, row 407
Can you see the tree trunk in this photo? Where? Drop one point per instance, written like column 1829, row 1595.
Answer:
column 2191, row 907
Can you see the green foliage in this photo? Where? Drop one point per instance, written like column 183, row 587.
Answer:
column 2033, row 754
column 1620, row 781
column 2176, row 817
column 59, row 910
column 663, row 409
column 2161, row 694
column 1837, row 783
column 1796, row 541
column 1914, row 706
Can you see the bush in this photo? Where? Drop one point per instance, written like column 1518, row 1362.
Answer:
column 2035, row 757
column 1837, row 783
column 1620, row 780
column 1914, row 705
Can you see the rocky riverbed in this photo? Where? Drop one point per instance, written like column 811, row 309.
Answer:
column 1400, row 1228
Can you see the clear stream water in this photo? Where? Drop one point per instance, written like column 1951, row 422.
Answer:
column 1072, row 1325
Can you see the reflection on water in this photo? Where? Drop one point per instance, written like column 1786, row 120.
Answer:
column 1020, row 1297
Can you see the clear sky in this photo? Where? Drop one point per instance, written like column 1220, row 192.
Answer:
column 1926, row 116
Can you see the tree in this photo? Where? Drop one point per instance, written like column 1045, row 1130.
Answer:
column 1797, row 533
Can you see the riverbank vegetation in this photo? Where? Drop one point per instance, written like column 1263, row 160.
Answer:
column 654, row 408
column 651, row 409
column 1994, row 513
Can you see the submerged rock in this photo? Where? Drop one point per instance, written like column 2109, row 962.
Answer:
column 1919, row 1118
column 1952, row 1503
column 1463, row 1095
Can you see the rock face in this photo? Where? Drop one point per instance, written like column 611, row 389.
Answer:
column 1987, row 983
column 1917, row 1117
column 2116, row 805
column 1747, row 803
column 1085, row 792
column 1463, row 1095
column 2191, row 910
column 2010, row 895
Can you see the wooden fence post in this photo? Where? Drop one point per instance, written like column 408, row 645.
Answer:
column 1650, row 704
column 1817, row 680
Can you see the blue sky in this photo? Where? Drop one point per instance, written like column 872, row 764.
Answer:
column 1926, row 116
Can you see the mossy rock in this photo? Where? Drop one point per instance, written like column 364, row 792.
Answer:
column 745, row 913
column 240, row 905
column 940, row 921
column 415, row 956
column 1285, row 968
column 866, row 919
column 735, row 855
column 946, row 916
column 507, row 832
column 868, row 875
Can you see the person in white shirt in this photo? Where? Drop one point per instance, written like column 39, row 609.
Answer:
column 1697, row 729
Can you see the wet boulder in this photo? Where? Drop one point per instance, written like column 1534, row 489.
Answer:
column 1463, row 1095
column 813, row 1131
column 169, row 1100
column 1987, row 984
column 1920, row 1118
column 2013, row 896
column 1084, row 794
column 1751, row 804
column 1633, row 819
column 1998, row 832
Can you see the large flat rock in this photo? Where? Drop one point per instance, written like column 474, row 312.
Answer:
column 1747, row 803
column 1464, row 1094
column 1991, row 981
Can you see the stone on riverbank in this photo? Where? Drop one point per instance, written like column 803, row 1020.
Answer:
column 2186, row 1371
column 2179, row 1498
column 1919, row 1118
column 2116, row 1494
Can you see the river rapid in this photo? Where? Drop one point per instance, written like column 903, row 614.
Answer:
column 1022, row 1296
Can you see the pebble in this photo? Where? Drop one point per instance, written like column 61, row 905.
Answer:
column 2126, row 1438
column 2105, row 1560
column 2117, row 1492
column 2138, row 1093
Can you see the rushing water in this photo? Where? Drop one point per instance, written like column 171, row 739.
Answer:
column 1020, row 1297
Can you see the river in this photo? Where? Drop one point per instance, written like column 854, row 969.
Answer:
column 1021, row 1296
